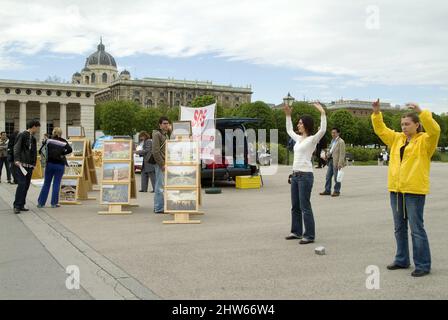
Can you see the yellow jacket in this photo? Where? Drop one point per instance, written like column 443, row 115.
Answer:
column 412, row 174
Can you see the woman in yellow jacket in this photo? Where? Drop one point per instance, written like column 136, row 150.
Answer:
column 408, row 181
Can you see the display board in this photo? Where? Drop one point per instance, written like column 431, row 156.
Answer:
column 182, row 180
column 117, row 176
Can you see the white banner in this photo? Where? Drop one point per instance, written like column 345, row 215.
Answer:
column 202, row 127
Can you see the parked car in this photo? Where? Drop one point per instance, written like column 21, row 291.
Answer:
column 236, row 165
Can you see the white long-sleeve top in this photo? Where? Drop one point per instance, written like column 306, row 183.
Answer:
column 304, row 147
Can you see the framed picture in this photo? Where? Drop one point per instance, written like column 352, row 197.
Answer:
column 115, row 194
column 74, row 168
column 181, row 176
column 68, row 190
column 181, row 128
column 181, row 200
column 117, row 149
column 117, row 171
column 75, row 131
column 182, row 151
column 78, row 147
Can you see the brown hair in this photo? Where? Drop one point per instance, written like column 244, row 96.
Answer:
column 414, row 117
column 145, row 135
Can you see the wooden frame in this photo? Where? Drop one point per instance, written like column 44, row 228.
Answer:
column 75, row 131
column 108, row 187
column 184, row 127
column 69, row 172
column 179, row 152
column 77, row 142
column 172, row 181
column 126, row 153
column 121, row 167
column 65, row 184
column 172, row 193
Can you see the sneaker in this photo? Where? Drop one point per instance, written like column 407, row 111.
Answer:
column 40, row 206
column 55, row 205
column 16, row 210
column 24, row 209
column 306, row 241
column 159, row 212
column 293, row 236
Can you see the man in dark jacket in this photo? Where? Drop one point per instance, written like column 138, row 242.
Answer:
column 25, row 157
column 159, row 138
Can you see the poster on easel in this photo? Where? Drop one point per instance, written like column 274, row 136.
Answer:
column 182, row 180
column 117, row 176
column 69, row 191
column 78, row 169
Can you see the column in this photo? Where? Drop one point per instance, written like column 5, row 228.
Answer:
column 63, row 118
column 88, row 121
column 43, row 118
column 22, row 116
column 2, row 116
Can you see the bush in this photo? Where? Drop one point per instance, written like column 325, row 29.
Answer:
column 437, row 156
column 282, row 152
column 363, row 154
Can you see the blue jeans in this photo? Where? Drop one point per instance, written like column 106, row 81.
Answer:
column 23, row 184
column 413, row 204
column 52, row 172
column 158, row 194
column 332, row 172
column 301, row 187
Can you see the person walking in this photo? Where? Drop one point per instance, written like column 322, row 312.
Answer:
column 335, row 162
column 12, row 166
column 4, row 141
column 57, row 148
column 25, row 157
column 148, row 169
column 158, row 152
column 302, row 177
column 408, row 181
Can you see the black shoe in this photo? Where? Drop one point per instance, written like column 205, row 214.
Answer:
column 16, row 210
column 306, row 241
column 293, row 236
column 159, row 212
column 152, row 191
column 142, row 191
column 419, row 273
column 24, row 209
column 394, row 266
column 325, row 193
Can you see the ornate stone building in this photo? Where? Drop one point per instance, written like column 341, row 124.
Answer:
column 54, row 104
column 358, row 107
column 101, row 71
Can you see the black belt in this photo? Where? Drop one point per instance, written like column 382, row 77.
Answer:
column 298, row 173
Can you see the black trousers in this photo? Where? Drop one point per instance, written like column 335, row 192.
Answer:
column 12, row 167
column 4, row 160
column 22, row 187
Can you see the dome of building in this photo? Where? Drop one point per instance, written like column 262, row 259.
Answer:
column 76, row 74
column 85, row 69
column 101, row 57
column 125, row 72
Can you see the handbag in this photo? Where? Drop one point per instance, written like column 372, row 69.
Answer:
column 340, row 176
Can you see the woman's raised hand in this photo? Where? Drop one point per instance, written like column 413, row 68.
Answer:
column 287, row 109
column 376, row 106
column 414, row 107
column 319, row 107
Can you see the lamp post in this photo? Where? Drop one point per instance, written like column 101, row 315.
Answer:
column 288, row 100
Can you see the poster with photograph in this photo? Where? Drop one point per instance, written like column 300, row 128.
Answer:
column 75, row 131
column 181, row 176
column 116, row 171
column 74, row 168
column 67, row 192
column 78, row 147
column 181, row 128
column 117, row 150
column 182, row 151
column 181, row 200
column 115, row 193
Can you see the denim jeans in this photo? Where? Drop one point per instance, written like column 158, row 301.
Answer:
column 332, row 172
column 414, row 205
column 158, row 194
column 23, row 184
column 4, row 160
column 301, row 187
column 52, row 172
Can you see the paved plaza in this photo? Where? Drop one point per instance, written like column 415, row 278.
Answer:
column 238, row 251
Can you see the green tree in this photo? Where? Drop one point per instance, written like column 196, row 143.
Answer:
column 345, row 121
column 207, row 100
column 147, row 119
column 299, row 109
column 280, row 124
column 119, row 117
column 443, row 129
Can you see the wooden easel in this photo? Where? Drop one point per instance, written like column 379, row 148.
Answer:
column 84, row 178
column 114, row 180
column 180, row 216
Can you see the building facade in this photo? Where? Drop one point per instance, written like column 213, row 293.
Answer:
column 100, row 70
column 54, row 104
column 358, row 107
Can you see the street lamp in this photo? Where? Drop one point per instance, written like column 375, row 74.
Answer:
column 288, row 100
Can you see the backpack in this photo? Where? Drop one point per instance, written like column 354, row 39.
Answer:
column 44, row 151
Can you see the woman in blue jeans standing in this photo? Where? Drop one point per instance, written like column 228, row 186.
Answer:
column 302, row 177
column 56, row 149
column 408, row 181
